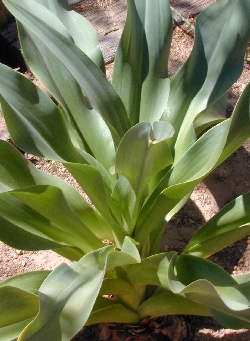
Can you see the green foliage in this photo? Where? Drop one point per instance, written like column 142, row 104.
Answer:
column 137, row 147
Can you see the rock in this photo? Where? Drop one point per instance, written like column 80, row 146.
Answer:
column 19, row 252
column 4, row 135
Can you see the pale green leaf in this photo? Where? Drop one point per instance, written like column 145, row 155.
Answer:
column 124, row 197
column 25, row 229
column 223, row 295
column 128, row 255
column 47, row 67
column 129, row 247
column 26, row 106
column 168, row 303
column 227, row 226
column 16, row 305
column 108, row 311
column 29, row 229
column 216, row 62
column 93, row 185
column 50, row 202
column 96, row 87
column 141, row 63
column 81, row 30
column 202, row 284
column 61, row 311
column 29, row 281
column 146, row 272
column 214, row 114
column 239, row 130
column 144, row 152
column 24, row 283
column 122, row 291
column 200, row 269
column 60, row 307
column 10, row 333
column 197, row 163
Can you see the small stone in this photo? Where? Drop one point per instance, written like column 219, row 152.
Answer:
column 19, row 252
column 23, row 263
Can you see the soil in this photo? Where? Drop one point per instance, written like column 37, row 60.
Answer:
column 223, row 185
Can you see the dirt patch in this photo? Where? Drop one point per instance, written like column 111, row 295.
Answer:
column 223, row 185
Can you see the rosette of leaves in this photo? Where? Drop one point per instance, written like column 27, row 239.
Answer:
column 137, row 147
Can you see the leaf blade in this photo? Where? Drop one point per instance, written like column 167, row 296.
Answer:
column 102, row 96
column 141, row 59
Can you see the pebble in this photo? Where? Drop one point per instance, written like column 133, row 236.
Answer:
column 19, row 252
column 23, row 263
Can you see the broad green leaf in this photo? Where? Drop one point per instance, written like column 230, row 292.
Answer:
column 199, row 160
column 129, row 247
column 46, row 66
column 197, row 163
column 243, row 278
column 36, row 133
column 178, row 207
column 50, row 202
column 214, row 114
column 201, row 283
column 107, row 311
column 239, row 129
column 199, row 268
column 223, row 295
column 15, row 170
column 168, row 303
column 29, row 281
column 128, row 255
column 227, row 226
column 93, row 185
column 215, row 63
column 60, row 307
column 143, row 152
column 108, row 177
column 155, row 239
column 238, row 132
column 24, row 283
column 81, row 30
column 95, row 86
column 61, row 311
column 141, row 60
column 146, row 272
column 97, row 185
column 30, row 175
column 16, row 305
column 122, row 291
column 10, row 333
column 23, row 228
column 229, row 321
column 124, row 197
column 34, row 231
